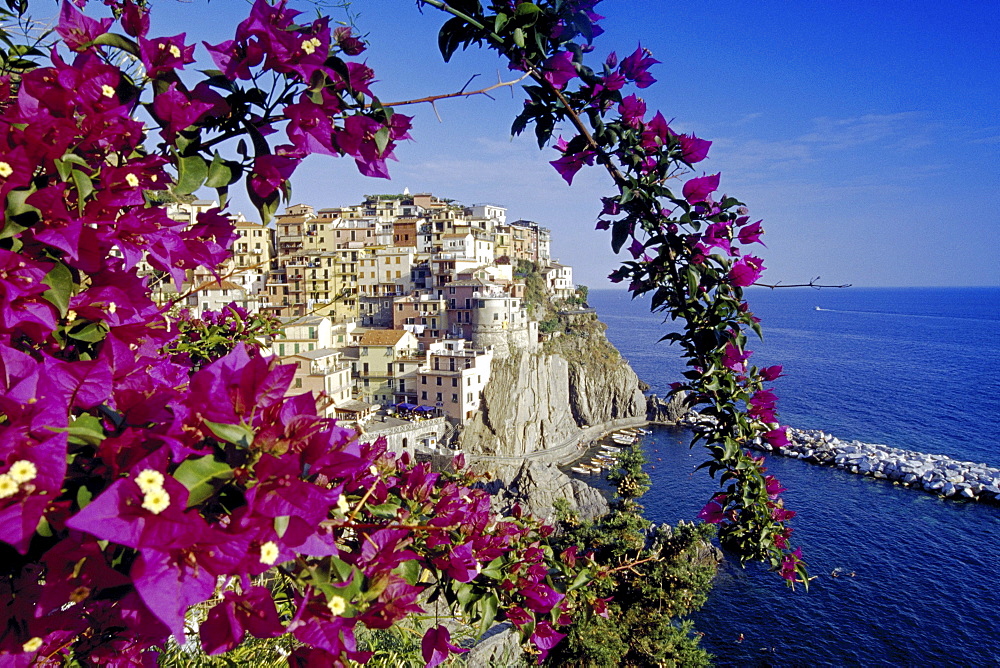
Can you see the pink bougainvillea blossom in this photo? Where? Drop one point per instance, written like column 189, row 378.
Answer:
column 746, row 271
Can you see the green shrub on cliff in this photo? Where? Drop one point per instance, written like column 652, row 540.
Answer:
column 650, row 576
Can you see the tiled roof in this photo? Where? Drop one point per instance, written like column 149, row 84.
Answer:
column 382, row 337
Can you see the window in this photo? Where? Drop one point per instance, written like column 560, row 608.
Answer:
column 423, row 380
column 438, row 397
column 454, row 398
column 439, row 380
column 298, row 382
column 423, row 395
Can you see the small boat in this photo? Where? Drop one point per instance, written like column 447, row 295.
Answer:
column 580, row 469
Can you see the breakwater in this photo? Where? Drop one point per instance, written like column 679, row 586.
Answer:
column 937, row 474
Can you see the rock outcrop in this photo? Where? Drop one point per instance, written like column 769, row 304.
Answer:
column 536, row 486
column 666, row 411
column 539, row 400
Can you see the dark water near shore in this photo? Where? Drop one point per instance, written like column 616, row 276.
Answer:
column 911, row 368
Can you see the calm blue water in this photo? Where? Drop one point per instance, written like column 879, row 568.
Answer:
column 912, row 368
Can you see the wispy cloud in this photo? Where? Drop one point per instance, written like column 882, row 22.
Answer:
column 846, row 133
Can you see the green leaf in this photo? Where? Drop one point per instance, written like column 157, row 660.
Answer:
column 117, row 41
column 20, row 215
column 237, row 434
column 453, row 34
column 91, row 332
column 582, row 578
column 222, row 173
column 83, row 497
column 61, row 287
column 488, row 609
column 619, row 234
column 382, row 139
column 85, row 430
column 84, row 185
column 494, row 569
column 519, row 37
column 281, row 525
column 202, row 476
column 44, row 529
column 192, row 171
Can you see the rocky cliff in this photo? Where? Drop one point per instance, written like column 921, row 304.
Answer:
column 538, row 400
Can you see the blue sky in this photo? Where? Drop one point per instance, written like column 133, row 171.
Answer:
column 866, row 135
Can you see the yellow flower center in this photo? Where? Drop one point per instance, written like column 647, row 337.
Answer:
column 107, row 91
column 149, row 480
column 156, row 501
column 5, row 169
column 7, row 486
column 132, row 180
column 342, row 504
column 22, row 471
column 32, row 645
column 309, row 46
column 269, row 553
column 337, row 605
column 174, row 51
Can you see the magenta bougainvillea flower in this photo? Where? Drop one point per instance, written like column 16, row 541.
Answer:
column 165, row 54
column 632, row 109
column 238, row 614
column 735, row 359
column 571, row 163
column 77, row 29
column 746, row 271
column 559, row 70
column 436, row 646
column 750, row 234
column 777, row 437
column 635, row 67
column 762, row 405
column 714, row 511
column 770, row 373
column 693, row 149
column 698, row 189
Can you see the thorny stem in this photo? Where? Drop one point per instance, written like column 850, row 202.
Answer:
column 461, row 93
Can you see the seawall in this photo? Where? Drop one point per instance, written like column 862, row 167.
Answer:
column 936, row 474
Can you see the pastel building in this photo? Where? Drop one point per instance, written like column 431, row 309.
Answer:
column 453, row 378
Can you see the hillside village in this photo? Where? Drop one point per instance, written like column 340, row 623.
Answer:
column 392, row 309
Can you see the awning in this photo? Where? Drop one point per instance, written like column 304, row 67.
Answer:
column 425, row 409
column 406, row 407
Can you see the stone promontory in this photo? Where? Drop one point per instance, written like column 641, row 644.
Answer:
column 540, row 400
column 937, row 474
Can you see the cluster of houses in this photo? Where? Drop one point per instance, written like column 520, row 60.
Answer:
column 392, row 308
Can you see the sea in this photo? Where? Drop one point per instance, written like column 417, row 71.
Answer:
column 917, row 577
